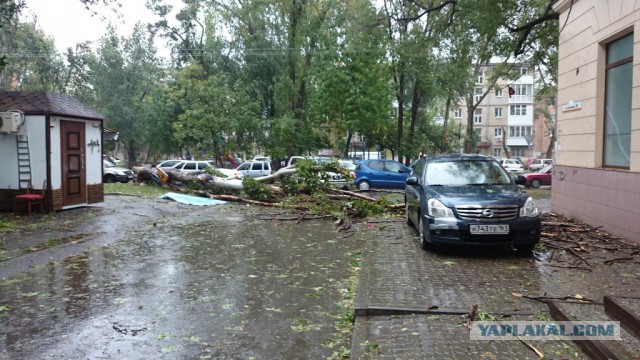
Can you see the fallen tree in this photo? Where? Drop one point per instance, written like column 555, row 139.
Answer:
column 305, row 188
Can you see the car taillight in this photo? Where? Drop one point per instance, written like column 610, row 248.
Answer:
column 354, row 175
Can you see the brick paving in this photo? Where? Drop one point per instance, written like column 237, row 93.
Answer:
column 397, row 275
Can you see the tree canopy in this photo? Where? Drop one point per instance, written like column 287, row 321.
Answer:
column 288, row 77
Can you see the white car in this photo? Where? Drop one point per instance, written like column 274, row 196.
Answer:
column 538, row 164
column 113, row 173
column 189, row 166
column 255, row 169
column 512, row 165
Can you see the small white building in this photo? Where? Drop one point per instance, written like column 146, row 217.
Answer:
column 52, row 137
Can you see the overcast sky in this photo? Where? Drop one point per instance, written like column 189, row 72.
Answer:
column 69, row 22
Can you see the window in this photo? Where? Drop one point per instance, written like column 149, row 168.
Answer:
column 478, row 134
column 498, row 112
column 392, row 167
column 189, row 166
column 523, row 89
column 377, row 165
column 477, row 116
column 519, row 131
column 480, row 77
column 618, row 88
column 517, row 151
column 518, row 110
column 478, row 94
column 457, row 113
column 523, row 71
column 257, row 166
column 498, row 92
column 497, row 152
column 497, row 133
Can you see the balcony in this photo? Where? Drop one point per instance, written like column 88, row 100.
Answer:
column 519, row 99
column 517, row 141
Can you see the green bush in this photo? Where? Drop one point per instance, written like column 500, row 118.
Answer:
column 256, row 190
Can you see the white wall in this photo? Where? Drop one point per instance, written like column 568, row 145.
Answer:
column 34, row 128
column 93, row 156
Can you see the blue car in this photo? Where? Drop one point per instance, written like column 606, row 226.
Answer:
column 380, row 174
column 470, row 200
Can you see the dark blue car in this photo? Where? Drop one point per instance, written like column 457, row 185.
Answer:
column 380, row 174
column 470, row 200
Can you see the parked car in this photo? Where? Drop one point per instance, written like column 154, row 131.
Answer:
column 188, row 166
column 380, row 174
column 348, row 165
column 542, row 177
column 538, row 164
column 113, row 173
column 470, row 200
column 261, row 158
column 336, row 179
column 512, row 165
column 167, row 164
column 255, row 169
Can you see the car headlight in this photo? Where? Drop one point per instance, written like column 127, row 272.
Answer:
column 530, row 209
column 437, row 209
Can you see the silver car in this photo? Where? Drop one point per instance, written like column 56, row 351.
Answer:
column 255, row 169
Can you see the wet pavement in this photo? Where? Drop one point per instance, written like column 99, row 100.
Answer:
column 210, row 282
column 137, row 279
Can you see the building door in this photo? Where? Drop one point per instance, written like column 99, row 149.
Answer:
column 73, row 165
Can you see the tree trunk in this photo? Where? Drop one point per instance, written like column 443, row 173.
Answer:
column 415, row 109
column 445, row 127
column 469, row 145
column 348, row 143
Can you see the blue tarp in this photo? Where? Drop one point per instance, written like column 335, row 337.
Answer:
column 191, row 200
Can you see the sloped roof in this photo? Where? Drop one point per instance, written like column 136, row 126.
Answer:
column 44, row 102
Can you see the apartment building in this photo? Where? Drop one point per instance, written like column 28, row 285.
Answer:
column 597, row 172
column 504, row 119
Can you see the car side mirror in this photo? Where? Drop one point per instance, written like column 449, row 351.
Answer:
column 521, row 180
column 412, row 180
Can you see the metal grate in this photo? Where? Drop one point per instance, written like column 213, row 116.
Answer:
column 488, row 213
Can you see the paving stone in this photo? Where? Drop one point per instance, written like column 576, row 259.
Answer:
column 442, row 337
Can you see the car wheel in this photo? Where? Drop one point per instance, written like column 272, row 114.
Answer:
column 423, row 242
column 364, row 185
column 535, row 183
column 109, row 178
column 525, row 250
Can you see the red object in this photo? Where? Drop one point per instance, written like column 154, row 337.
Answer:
column 543, row 177
column 31, row 198
column 512, row 91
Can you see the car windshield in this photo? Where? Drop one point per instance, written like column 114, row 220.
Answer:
column 108, row 164
column 466, row 172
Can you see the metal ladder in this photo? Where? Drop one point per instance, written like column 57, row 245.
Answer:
column 24, row 161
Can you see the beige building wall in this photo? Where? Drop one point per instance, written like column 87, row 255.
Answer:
column 582, row 187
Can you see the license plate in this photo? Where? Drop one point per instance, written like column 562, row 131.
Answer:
column 489, row 229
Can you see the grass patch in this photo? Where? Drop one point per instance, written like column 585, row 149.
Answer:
column 131, row 188
column 540, row 193
column 56, row 242
column 339, row 342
